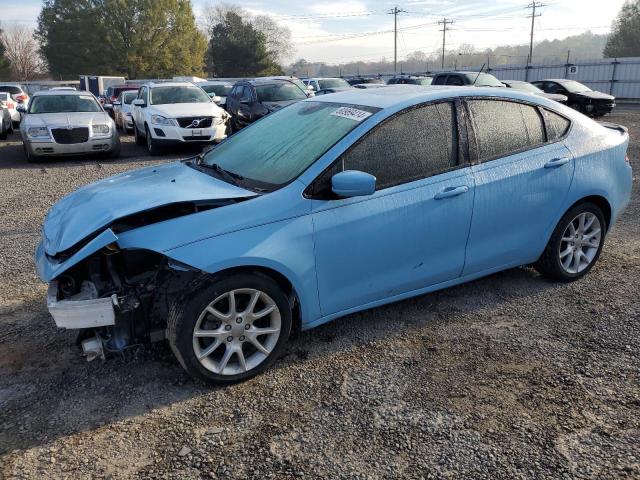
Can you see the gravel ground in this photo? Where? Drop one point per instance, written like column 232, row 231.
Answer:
column 510, row 376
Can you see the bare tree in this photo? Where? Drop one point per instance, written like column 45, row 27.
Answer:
column 21, row 49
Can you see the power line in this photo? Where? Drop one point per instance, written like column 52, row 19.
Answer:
column 444, row 22
column 395, row 11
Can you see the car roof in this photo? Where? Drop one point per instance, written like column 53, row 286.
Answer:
column 43, row 93
column 265, row 81
column 513, row 81
column 324, row 78
column 168, row 84
column 558, row 80
column 405, row 95
column 214, row 82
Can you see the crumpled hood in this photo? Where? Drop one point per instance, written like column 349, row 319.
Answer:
column 95, row 206
column 596, row 95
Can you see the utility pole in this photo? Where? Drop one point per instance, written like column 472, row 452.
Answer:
column 444, row 22
column 533, row 5
column 395, row 11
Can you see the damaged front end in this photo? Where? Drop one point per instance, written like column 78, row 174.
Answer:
column 117, row 298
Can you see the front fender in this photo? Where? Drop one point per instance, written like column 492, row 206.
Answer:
column 285, row 247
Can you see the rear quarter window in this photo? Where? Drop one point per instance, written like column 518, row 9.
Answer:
column 557, row 125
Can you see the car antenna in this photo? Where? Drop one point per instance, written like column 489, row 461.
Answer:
column 476, row 79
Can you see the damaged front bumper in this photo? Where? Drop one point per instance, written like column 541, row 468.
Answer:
column 81, row 312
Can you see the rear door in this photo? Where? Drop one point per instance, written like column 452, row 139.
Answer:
column 522, row 176
column 412, row 232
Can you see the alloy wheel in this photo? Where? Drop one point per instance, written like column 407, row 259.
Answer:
column 237, row 331
column 580, row 242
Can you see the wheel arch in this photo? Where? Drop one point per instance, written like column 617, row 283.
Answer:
column 601, row 202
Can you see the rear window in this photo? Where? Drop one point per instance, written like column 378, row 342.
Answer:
column 484, row 80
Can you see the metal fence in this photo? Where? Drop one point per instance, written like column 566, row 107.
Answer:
column 617, row 76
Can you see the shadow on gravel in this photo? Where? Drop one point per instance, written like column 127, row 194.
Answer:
column 12, row 155
column 47, row 390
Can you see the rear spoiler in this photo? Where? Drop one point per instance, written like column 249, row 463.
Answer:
column 615, row 126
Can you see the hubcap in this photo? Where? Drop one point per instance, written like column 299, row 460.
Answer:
column 580, row 242
column 237, row 331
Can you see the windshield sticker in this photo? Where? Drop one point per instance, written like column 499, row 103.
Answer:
column 351, row 113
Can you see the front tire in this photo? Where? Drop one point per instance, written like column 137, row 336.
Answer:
column 231, row 329
column 575, row 245
column 152, row 146
column 136, row 134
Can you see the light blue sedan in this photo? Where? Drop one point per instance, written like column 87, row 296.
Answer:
column 330, row 206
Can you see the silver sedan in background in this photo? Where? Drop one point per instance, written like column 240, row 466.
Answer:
column 65, row 122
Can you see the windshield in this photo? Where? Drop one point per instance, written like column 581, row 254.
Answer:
column 167, row 95
column 524, row 86
column 300, row 84
column 333, row 83
column 220, row 90
column 424, row 80
column 279, row 147
column 63, row 104
column 129, row 97
column 484, row 80
column 279, row 92
column 575, row 87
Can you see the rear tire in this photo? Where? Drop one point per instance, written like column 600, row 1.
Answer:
column 229, row 328
column 575, row 245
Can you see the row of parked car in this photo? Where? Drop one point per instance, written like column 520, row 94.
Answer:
column 165, row 113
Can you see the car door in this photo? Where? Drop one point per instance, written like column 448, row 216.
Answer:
column 409, row 234
column 138, row 114
column 522, row 176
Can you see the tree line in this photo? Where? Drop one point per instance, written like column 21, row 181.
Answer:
column 145, row 39
column 161, row 38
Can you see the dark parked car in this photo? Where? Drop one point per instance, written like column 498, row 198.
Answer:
column 364, row 80
column 6, row 125
column 468, row 79
column 528, row 87
column 250, row 100
column 410, row 80
column 581, row 97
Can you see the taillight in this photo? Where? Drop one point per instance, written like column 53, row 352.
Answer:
column 627, row 159
column 21, row 98
column 11, row 105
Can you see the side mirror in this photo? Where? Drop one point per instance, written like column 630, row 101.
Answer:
column 21, row 108
column 139, row 102
column 353, row 183
column 116, row 103
column 108, row 106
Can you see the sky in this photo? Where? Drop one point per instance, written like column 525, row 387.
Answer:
column 349, row 30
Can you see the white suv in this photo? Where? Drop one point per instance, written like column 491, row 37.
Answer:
column 173, row 113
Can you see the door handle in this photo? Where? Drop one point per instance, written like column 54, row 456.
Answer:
column 451, row 192
column 556, row 162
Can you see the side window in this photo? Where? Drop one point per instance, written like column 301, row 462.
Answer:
column 439, row 80
column 455, row 80
column 503, row 128
column 411, row 145
column 557, row 125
